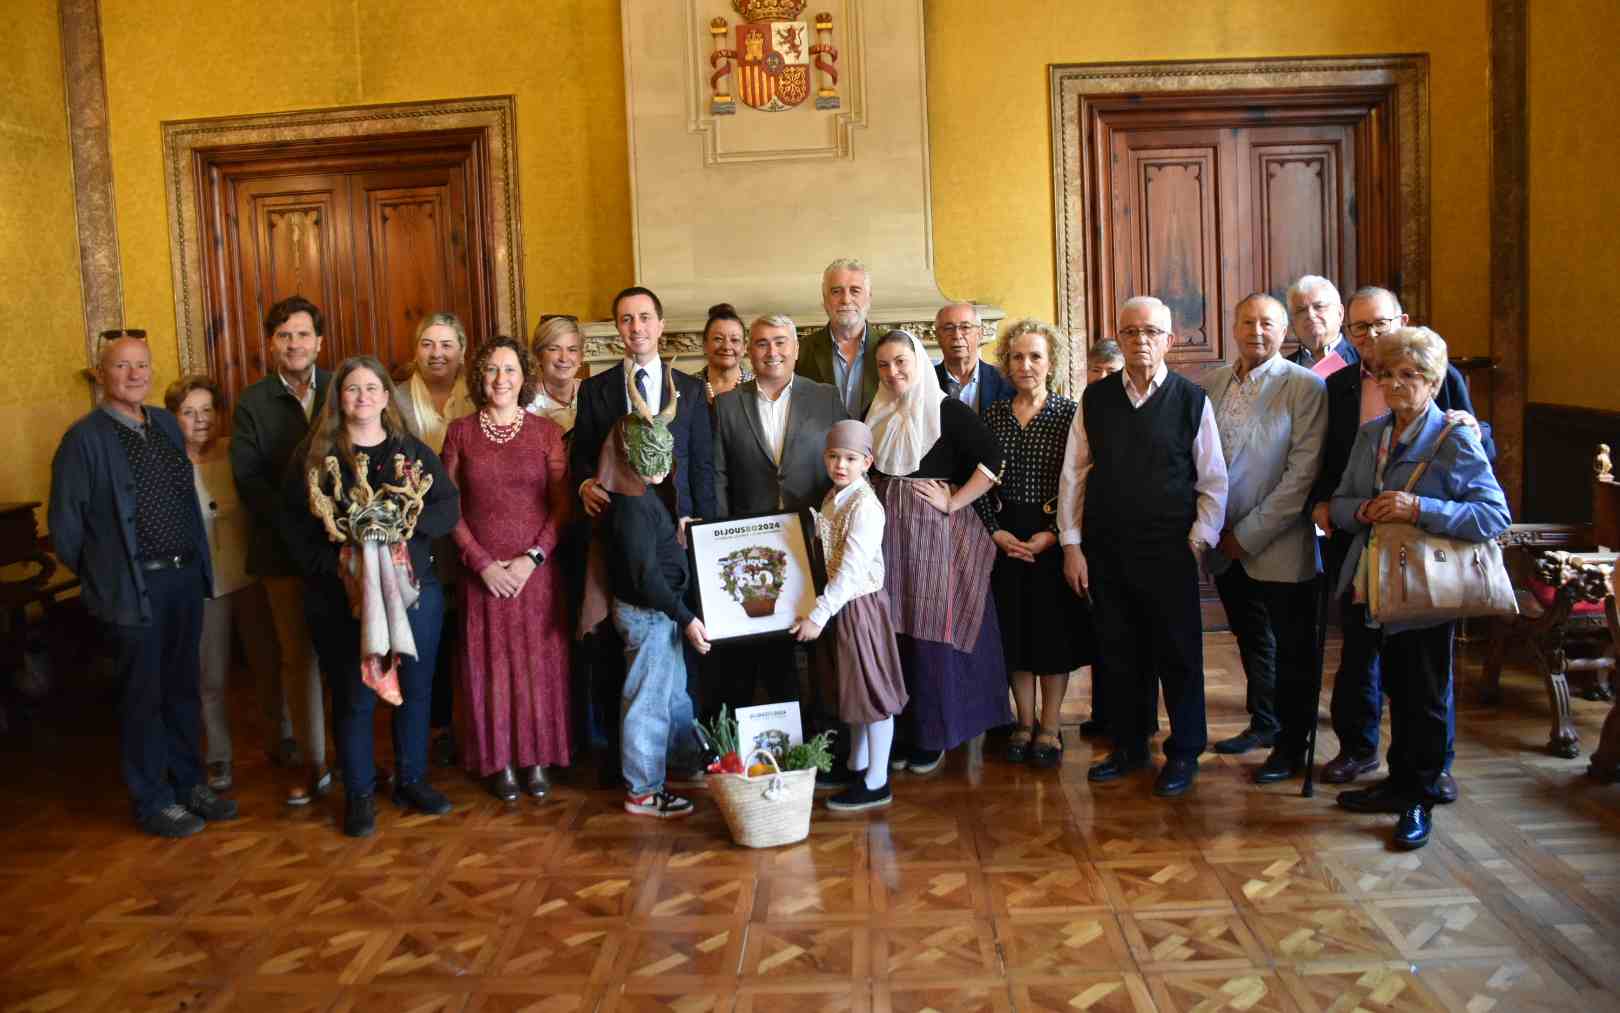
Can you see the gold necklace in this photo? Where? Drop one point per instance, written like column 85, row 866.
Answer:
column 498, row 433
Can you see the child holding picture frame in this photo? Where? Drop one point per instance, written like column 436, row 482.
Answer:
column 863, row 659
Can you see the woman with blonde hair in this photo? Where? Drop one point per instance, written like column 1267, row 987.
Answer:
column 559, row 348
column 436, row 393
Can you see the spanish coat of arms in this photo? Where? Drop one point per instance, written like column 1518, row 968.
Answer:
column 774, row 57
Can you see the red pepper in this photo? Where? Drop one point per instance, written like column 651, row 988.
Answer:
column 731, row 763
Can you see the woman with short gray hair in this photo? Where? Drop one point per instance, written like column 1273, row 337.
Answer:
column 1455, row 494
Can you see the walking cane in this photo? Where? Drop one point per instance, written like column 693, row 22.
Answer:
column 1309, row 788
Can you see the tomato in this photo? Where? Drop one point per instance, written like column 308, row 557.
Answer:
column 731, row 763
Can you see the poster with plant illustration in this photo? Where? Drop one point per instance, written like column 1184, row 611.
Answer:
column 755, row 575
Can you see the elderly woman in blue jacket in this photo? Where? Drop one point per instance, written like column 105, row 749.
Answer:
column 1456, row 496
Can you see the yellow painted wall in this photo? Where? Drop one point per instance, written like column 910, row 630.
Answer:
column 1574, row 203
column 42, row 340
column 561, row 58
column 990, row 122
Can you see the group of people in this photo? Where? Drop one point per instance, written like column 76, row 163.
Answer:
column 982, row 534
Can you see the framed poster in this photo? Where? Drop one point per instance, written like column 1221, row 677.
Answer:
column 755, row 575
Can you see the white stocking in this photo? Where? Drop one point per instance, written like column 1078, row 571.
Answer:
column 858, row 747
column 878, row 737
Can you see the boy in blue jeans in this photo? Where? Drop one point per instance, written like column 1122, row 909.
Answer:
column 648, row 570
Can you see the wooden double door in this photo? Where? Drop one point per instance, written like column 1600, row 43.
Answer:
column 378, row 235
column 1202, row 200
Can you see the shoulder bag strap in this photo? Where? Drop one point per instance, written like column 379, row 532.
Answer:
column 1423, row 465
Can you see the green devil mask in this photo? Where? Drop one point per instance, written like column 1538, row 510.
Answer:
column 648, row 443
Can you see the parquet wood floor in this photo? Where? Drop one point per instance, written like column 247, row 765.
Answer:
column 983, row 888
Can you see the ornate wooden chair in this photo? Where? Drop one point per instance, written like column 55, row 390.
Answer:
column 1567, row 610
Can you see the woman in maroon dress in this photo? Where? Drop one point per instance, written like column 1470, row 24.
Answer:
column 509, row 466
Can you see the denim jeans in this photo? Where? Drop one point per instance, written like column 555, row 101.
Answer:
column 159, row 713
column 1358, row 691
column 655, row 713
column 337, row 641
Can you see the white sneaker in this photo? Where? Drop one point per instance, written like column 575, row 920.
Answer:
column 659, row 805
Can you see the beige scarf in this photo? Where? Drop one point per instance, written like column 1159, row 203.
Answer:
column 427, row 416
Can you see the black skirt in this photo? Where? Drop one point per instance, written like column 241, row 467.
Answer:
column 1045, row 627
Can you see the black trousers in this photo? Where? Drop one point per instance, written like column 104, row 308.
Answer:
column 1275, row 626
column 158, row 667
column 1417, row 678
column 1149, row 628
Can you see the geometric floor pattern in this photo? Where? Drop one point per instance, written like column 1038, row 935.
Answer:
column 984, row 887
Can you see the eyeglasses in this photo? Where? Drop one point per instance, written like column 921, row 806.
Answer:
column 951, row 330
column 1362, row 328
column 1151, row 333
column 1406, row 375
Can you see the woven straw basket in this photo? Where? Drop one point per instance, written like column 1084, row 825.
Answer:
column 764, row 811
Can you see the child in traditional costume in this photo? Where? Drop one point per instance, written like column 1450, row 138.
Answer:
column 863, row 660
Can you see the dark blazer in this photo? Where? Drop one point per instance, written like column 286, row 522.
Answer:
column 1347, row 351
column 1344, row 421
column 266, row 428
column 993, row 386
column 746, row 479
column 600, row 403
column 92, row 517
column 816, row 362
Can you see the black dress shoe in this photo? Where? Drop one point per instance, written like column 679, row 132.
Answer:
column 1176, row 777
column 534, row 781
column 1382, row 797
column 1279, row 766
column 422, row 797
column 1116, row 765
column 1046, row 755
column 503, row 785
column 359, row 815
column 1344, row 768
column 206, row 805
column 1412, row 830
column 1245, row 741
column 1091, row 728
column 1445, row 789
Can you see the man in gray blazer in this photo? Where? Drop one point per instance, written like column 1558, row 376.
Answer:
column 769, row 437
column 769, row 432
column 1272, row 416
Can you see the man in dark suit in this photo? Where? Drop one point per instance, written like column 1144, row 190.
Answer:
column 962, row 374
column 844, row 353
column 604, row 398
column 1317, row 316
column 769, row 442
column 1354, row 397
column 769, row 431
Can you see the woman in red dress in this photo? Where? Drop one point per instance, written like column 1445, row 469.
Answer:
column 510, row 467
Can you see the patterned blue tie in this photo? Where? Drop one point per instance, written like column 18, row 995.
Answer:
column 641, row 386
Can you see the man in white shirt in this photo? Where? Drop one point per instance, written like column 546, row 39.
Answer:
column 1144, row 483
column 1272, row 417
column 769, row 435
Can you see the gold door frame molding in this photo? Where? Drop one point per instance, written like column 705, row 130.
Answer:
column 183, row 140
column 1073, row 85
column 84, row 79
column 1510, row 242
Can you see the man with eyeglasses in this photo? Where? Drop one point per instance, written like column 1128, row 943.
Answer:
column 962, row 374
column 1144, row 482
column 1317, row 315
column 1354, row 398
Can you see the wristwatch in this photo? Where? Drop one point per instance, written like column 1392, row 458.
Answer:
column 535, row 556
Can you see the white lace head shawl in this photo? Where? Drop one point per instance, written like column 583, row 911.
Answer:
column 906, row 426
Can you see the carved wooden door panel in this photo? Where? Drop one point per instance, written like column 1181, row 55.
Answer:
column 411, row 259
column 377, row 240
column 1201, row 215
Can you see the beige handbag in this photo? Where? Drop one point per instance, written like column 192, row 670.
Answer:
column 1408, row 575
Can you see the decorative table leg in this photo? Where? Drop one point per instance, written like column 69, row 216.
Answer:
column 1565, row 741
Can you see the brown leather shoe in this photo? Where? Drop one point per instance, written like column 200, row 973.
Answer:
column 1344, row 768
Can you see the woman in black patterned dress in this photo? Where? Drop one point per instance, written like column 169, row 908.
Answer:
column 1046, row 630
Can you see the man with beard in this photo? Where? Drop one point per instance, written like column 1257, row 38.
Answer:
column 844, row 353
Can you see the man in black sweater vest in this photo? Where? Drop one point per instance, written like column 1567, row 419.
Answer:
column 1144, row 483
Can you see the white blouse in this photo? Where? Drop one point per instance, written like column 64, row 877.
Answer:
column 850, row 524
column 225, row 520
column 556, row 411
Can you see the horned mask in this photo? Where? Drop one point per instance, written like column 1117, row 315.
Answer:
column 649, row 446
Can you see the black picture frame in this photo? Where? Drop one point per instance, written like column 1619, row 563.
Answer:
column 718, row 609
